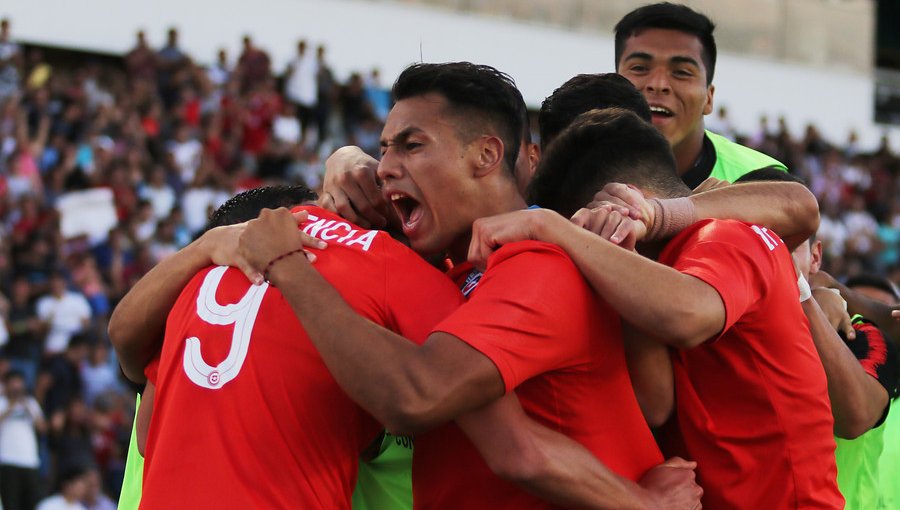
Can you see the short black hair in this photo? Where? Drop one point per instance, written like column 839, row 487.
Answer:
column 769, row 173
column 586, row 92
column 670, row 16
column 599, row 147
column 474, row 92
column 247, row 205
column 13, row 373
column 71, row 474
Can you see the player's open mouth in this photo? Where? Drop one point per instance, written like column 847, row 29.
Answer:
column 407, row 208
column 660, row 111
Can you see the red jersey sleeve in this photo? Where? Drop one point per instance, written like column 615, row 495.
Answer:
column 734, row 258
column 528, row 313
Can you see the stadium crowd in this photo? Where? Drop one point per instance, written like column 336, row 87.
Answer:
column 172, row 139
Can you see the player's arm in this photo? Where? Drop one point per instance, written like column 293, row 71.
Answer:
column 350, row 188
column 858, row 400
column 858, row 303
column 144, row 415
column 408, row 388
column 787, row 208
column 137, row 324
column 650, row 370
column 561, row 471
column 643, row 291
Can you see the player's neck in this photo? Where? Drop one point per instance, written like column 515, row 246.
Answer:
column 688, row 151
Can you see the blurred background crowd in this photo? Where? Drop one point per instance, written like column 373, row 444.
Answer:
column 108, row 164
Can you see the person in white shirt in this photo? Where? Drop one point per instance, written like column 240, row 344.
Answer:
column 73, row 488
column 21, row 419
column 300, row 86
column 63, row 313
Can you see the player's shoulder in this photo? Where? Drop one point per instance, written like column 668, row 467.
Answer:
column 333, row 229
column 528, row 252
column 735, row 233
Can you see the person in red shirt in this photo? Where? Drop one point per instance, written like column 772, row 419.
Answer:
column 531, row 324
column 456, row 130
column 223, row 327
column 236, row 369
column 750, row 402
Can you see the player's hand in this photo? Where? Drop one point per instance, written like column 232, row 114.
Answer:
column 629, row 198
column 673, row 485
column 822, row 279
column 272, row 234
column 350, row 188
column 490, row 233
column 835, row 309
column 609, row 223
column 709, row 184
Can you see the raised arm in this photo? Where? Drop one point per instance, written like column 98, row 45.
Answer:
column 858, row 303
column 640, row 289
column 408, row 388
column 561, row 471
column 857, row 399
column 137, row 325
column 787, row 208
column 350, row 188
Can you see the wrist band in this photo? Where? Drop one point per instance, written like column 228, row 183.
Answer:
column 276, row 259
column 803, row 285
column 670, row 216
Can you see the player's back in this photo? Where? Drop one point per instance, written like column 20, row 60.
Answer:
column 246, row 414
column 752, row 404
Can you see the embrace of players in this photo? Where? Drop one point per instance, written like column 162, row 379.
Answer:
column 616, row 325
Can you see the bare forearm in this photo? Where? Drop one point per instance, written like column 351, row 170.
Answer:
column 871, row 309
column 857, row 399
column 650, row 369
column 640, row 289
column 408, row 388
column 137, row 324
column 543, row 462
column 787, row 208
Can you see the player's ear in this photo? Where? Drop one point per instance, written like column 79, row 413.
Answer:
column 488, row 154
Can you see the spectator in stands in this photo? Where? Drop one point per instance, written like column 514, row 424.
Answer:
column 94, row 498
column 10, row 62
column 172, row 67
column 140, row 61
column 254, row 65
column 73, row 487
column 300, row 86
column 24, row 348
column 327, row 91
column 21, row 419
column 64, row 313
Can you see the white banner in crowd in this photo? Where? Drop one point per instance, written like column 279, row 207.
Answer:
column 90, row 212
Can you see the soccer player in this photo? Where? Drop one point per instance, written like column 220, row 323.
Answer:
column 861, row 366
column 236, row 369
column 669, row 53
column 751, row 407
column 454, row 471
column 238, row 209
column 530, row 325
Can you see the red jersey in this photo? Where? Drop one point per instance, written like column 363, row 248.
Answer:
column 752, row 405
column 559, row 347
column 246, row 413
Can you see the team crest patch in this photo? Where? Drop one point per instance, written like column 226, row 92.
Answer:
column 471, row 282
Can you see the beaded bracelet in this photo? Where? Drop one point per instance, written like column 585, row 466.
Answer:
column 276, row 259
